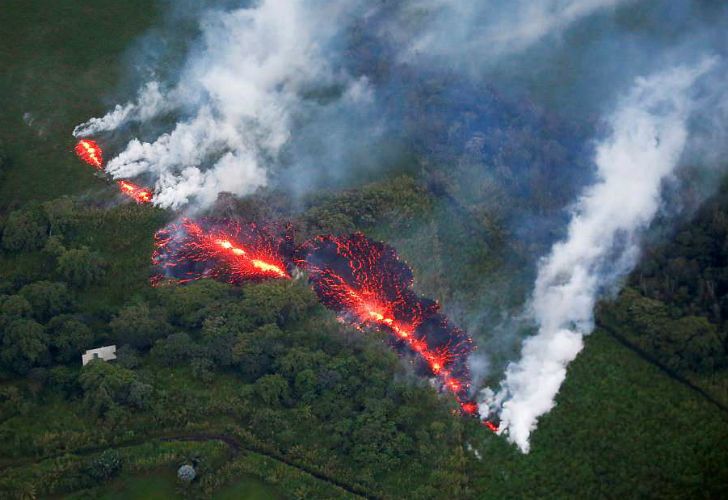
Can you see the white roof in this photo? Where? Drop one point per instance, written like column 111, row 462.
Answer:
column 107, row 353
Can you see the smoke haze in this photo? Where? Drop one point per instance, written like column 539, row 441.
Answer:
column 649, row 133
column 237, row 98
column 559, row 119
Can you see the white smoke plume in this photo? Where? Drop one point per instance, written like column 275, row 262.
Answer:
column 484, row 31
column 239, row 94
column 150, row 103
column 648, row 135
column 242, row 94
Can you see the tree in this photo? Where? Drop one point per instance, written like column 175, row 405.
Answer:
column 15, row 307
column 176, row 349
column 24, row 345
column 685, row 344
column 187, row 306
column 271, row 389
column 24, row 230
column 254, row 352
column 80, row 266
column 48, row 299
column 690, row 343
column 276, row 302
column 305, row 385
column 69, row 337
column 107, row 386
column 128, row 357
column 139, row 326
column 61, row 214
column 54, row 247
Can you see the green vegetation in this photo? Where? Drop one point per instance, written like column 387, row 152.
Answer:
column 259, row 387
column 308, row 405
column 676, row 305
column 64, row 58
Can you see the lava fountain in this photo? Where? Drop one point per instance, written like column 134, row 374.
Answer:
column 90, row 152
column 137, row 193
column 222, row 250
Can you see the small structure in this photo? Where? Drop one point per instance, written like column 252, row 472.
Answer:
column 107, row 353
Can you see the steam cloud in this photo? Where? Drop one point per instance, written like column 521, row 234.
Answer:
column 649, row 134
column 239, row 94
column 244, row 91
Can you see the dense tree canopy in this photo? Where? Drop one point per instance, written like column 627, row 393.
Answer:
column 24, row 344
column 69, row 337
column 24, row 230
column 47, row 299
column 80, row 266
column 138, row 325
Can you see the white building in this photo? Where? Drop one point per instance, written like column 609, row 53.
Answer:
column 107, row 353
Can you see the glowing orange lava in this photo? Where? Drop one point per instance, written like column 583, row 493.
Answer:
column 366, row 284
column 263, row 266
column 490, row 425
column 90, row 152
column 137, row 193
column 226, row 251
column 361, row 279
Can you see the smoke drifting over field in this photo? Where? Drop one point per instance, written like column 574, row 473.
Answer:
column 648, row 137
column 565, row 117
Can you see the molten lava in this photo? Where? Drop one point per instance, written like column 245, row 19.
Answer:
column 137, row 193
column 367, row 285
column 490, row 425
column 363, row 281
column 90, row 152
column 221, row 250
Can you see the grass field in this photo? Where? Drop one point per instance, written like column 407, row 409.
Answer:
column 60, row 61
column 621, row 428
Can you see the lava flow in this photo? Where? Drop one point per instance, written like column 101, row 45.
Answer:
column 223, row 250
column 137, row 193
column 363, row 281
column 367, row 285
column 90, row 152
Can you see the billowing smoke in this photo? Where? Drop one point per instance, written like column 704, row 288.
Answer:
column 499, row 101
column 237, row 99
column 267, row 75
column 648, row 136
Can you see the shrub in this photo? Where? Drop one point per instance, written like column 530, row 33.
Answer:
column 105, row 465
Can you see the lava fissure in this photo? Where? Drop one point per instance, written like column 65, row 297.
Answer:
column 225, row 251
column 90, row 152
column 367, row 285
column 362, row 280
